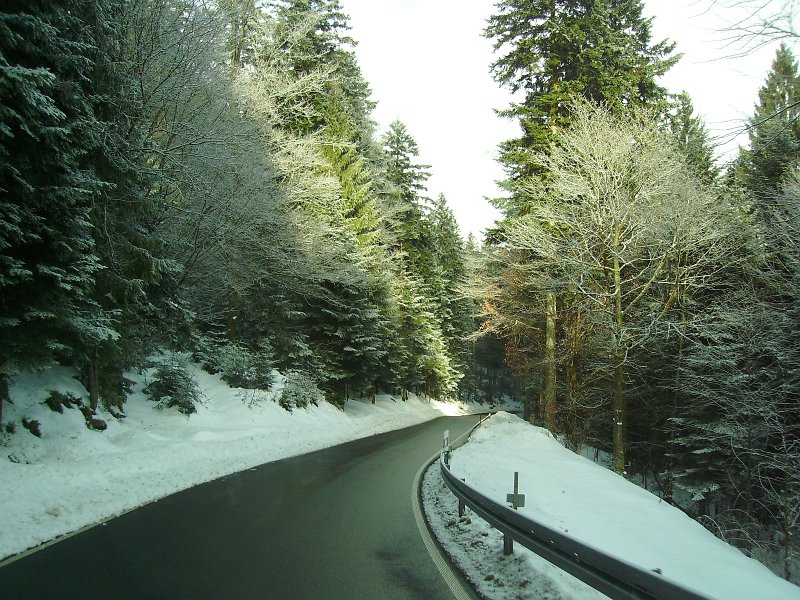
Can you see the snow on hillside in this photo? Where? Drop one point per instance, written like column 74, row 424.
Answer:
column 74, row 477
column 590, row 503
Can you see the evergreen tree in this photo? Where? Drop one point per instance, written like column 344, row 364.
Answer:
column 408, row 177
column 47, row 127
column 340, row 151
column 314, row 36
column 407, row 200
column 692, row 137
column 774, row 129
column 454, row 310
column 556, row 50
column 243, row 16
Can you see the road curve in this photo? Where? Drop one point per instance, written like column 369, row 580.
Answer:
column 336, row 523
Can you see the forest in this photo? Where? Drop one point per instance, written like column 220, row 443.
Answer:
column 205, row 177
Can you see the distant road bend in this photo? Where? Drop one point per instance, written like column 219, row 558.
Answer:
column 337, row 523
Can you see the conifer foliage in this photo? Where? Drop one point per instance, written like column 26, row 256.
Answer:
column 183, row 175
column 555, row 50
column 47, row 128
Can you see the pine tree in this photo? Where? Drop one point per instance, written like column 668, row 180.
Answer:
column 556, row 50
column 47, row 127
column 407, row 200
column 692, row 137
column 774, row 129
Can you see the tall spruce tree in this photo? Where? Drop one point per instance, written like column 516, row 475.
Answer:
column 47, row 128
column 408, row 194
column 555, row 50
column 774, row 129
column 454, row 310
column 323, row 44
column 693, row 140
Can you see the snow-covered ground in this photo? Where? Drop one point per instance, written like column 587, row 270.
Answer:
column 73, row 477
column 588, row 502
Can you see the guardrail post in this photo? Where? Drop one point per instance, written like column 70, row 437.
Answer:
column 508, row 545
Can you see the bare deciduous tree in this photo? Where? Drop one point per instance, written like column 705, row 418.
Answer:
column 621, row 218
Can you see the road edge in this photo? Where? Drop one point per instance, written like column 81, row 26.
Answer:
column 446, row 569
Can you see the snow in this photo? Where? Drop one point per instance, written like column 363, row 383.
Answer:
column 477, row 549
column 74, row 477
column 588, row 502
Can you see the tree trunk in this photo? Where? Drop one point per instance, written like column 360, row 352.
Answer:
column 668, row 486
column 572, row 404
column 620, row 406
column 527, row 403
column 549, row 389
column 3, row 394
column 620, row 414
column 92, row 383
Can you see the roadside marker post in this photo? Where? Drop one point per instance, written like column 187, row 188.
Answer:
column 446, row 451
column 516, row 500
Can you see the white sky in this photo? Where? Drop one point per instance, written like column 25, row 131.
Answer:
column 428, row 65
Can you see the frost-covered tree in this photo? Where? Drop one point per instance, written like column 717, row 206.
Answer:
column 623, row 218
column 48, row 126
column 163, row 61
column 737, row 440
column 554, row 51
column 313, row 34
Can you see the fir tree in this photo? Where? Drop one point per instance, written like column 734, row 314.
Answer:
column 47, row 126
column 407, row 203
column 555, row 50
column 340, row 151
column 454, row 310
column 774, row 129
column 692, row 137
column 323, row 44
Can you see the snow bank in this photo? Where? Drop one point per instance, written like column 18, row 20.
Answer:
column 594, row 505
column 73, row 477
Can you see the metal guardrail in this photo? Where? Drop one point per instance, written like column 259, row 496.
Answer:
column 613, row 577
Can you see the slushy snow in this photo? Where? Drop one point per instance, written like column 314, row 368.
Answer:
column 588, row 502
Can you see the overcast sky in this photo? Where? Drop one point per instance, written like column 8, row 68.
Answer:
column 428, row 65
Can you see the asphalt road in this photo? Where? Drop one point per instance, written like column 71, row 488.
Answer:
column 337, row 523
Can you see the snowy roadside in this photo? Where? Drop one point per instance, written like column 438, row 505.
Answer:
column 73, row 477
column 593, row 505
column 477, row 549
